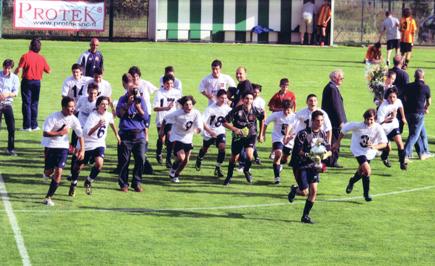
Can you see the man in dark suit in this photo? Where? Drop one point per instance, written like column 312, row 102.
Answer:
column 332, row 104
column 417, row 101
column 402, row 80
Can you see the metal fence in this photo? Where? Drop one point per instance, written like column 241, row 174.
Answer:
column 125, row 19
column 359, row 21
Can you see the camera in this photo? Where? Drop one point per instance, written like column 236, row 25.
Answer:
column 136, row 96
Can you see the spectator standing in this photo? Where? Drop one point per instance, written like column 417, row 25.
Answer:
column 323, row 18
column 8, row 90
column 91, row 59
column 33, row 65
column 332, row 104
column 390, row 26
column 306, row 25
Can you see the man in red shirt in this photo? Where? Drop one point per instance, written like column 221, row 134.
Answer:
column 33, row 65
column 275, row 103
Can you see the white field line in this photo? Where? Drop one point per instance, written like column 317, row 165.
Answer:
column 14, row 224
column 144, row 210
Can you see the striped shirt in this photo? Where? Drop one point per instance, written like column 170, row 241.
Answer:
column 407, row 27
column 324, row 15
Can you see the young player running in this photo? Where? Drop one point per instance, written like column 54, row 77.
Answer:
column 214, row 131
column 242, row 121
column 308, row 174
column 185, row 122
column 165, row 102
column 387, row 117
column 285, row 123
column 94, row 134
column 367, row 138
column 55, row 140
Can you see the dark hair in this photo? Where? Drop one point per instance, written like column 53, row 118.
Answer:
column 92, row 86
column 76, row 66
column 126, row 78
column 221, row 92
column 369, row 113
column 8, row 63
column 66, row 100
column 246, row 93
column 134, row 70
column 168, row 77
column 169, row 69
column 391, row 90
column 35, row 45
column 98, row 71
column 100, row 99
column 387, row 13
column 315, row 114
column 406, row 12
column 216, row 63
column 286, row 104
column 283, row 81
column 378, row 45
column 185, row 99
column 310, row 96
column 256, row 86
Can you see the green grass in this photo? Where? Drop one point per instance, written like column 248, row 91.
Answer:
column 166, row 225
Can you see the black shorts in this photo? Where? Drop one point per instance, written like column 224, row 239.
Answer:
column 218, row 140
column 237, row 144
column 393, row 133
column 178, row 146
column 405, row 47
column 280, row 146
column 55, row 158
column 362, row 159
column 92, row 154
column 307, row 177
column 166, row 130
column 393, row 44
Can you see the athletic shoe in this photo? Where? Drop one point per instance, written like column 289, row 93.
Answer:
column 175, row 180
column 124, row 189
column 349, row 187
column 159, row 159
column 11, row 153
column 172, row 173
column 198, row 164
column 403, row 166
column 272, row 156
column 138, row 188
column 48, row 202
column 292, row 194
column 306, row 220
column 88, row 187
column 46, row 177
column 426, row 156
column 168, row 164
column 240, row 168
column 25, row 129
column 280, row 168
column 248, row 176
column 72, row 191
column 69, row 178
column 368, row 198
column 227, row 181
column 258, row 161
column 387, row 163
column 277, row 180
column 218, row 172
column 36, row 129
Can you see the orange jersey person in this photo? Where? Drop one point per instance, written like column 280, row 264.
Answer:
column 373, row 54
column 324, row 15
column 408, row 27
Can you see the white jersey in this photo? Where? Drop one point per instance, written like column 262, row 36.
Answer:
column 85, row 108
column 391, row 26
column 259, row 103
column 98, row 138
column 183, row 125
column 177, row 84
column 362, row 135
column 281, row 123
column 163, row 98
column 304, row 117
column 146, row 89
column 387, row 109
column 56, row 122
column 214, row 117
column 75, row 88
column 212, row 85
column 104, row 88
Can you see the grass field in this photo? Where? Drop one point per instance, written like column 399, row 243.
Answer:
column 199, row 221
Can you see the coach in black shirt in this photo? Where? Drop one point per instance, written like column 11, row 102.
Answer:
column 402, row 78
column 417, row 101
column 332, row 104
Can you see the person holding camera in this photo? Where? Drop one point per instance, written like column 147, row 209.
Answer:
column 133, row 114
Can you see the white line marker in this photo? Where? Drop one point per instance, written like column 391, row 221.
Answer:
column 144, row 210
column 14, row 224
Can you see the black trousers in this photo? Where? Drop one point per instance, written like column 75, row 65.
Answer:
column 334, row 157
column 8, row 113
column 137, row 148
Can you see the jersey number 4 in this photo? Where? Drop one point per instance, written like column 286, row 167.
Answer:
column 77, row 92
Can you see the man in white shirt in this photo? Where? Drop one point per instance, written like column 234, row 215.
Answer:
column 391, row 25
column 307, row 20
column 75, row 85
column 214, row 82
column 55, row 140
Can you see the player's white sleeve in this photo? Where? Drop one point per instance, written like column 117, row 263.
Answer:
column 327, row 122
column 199, row 122
column 65, row 88
column 351, row 126
column 202, row 85
column 79, row 104
column 48, row 124
column 170, row 118
column 77, row 127
column 156, row 102
column 381, row 114
column 90, row 123
column 270, row 118
column 206, row 115
column 180, row 85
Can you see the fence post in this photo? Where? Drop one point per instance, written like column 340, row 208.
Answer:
column 111, row 20
column 362, row 21
column 1, row 18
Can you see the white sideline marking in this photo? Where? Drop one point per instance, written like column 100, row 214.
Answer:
column 218, row 207
column 14, row 224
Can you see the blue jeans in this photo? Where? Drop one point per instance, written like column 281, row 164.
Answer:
column 137, row 147
column 30, row 96
column 417, row 134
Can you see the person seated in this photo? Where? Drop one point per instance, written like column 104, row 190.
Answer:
column 373, row 55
